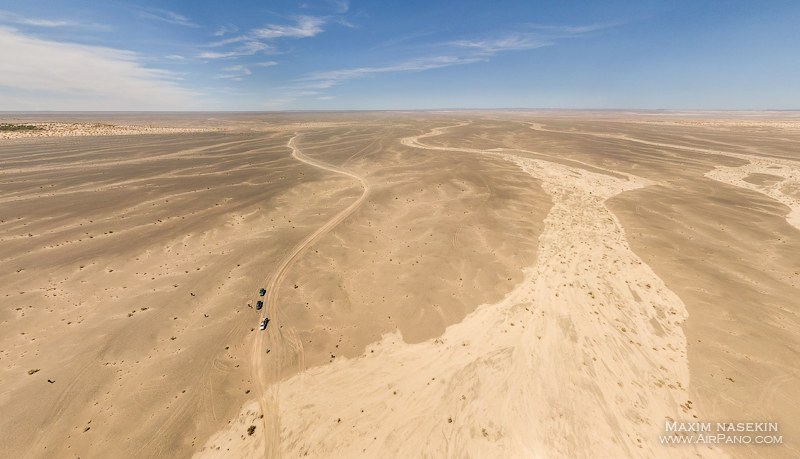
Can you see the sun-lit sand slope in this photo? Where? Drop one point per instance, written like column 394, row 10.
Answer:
column 440, row 285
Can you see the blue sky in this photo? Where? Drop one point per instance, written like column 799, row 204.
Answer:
column 359, row 54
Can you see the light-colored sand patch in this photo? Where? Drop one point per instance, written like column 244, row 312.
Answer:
column 236, row 441
column 725, row 125
column 781, row 191
column 93, row 129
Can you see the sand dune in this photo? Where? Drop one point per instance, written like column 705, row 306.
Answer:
column 459, row 284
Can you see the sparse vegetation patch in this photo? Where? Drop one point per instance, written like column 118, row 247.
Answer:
column 18, row 127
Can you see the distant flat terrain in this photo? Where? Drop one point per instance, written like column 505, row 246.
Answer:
column 445, row 284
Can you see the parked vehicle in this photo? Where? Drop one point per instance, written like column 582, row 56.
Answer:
column 259, row 305
column 263, row 324
column 262, row 292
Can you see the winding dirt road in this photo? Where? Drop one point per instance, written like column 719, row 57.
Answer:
column 285, row 349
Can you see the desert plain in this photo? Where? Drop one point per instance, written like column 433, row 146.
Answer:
column 439, row 284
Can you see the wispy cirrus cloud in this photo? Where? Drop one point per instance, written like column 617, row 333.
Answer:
column 472, row 51
column 304, row 27
column 234, row 72
column 167, row 16
column 237, row 72
column 17, row 19
column 456, row 52
column 333, row 77
column 340, row 6
column 531, row 37
column 313, row 83
column 225, row 30
column 260, row 41
column 245, row 49
column 493, row 46
column 571, row 30
column 41, row 74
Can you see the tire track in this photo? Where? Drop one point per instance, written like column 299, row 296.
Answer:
column 59, row 406
column 119, row 162
column 286, row 349
column 157, row 446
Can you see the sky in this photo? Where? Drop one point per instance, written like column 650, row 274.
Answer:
column 117, row 55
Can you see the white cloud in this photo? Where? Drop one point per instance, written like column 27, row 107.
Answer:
column 224, row 30
column 247, row 49
column 39, row 74
column 460, row 52
column 46, row 22
column 305, row 26
column 257, row 40
column 167, row 16
column 238, row 72
column 340, row 6
column 572, row 30
column 508, row 43
column 236, row 68
column 234, row 72
column 324, row 80
column 534, row 36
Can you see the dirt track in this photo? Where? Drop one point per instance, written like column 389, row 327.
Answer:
column 286, row 351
